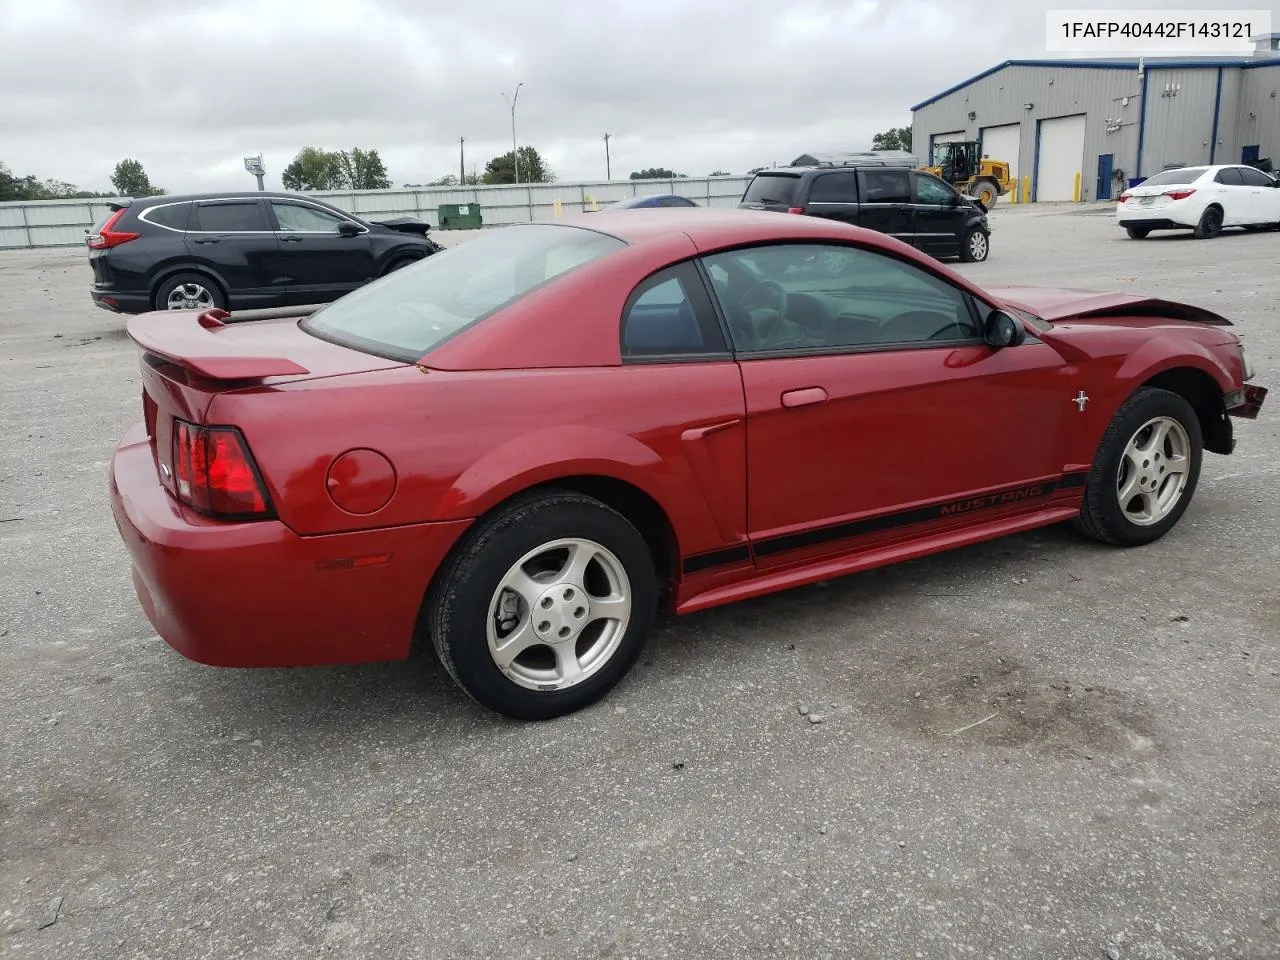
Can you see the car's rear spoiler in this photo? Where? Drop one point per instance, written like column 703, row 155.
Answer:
column 193, row 342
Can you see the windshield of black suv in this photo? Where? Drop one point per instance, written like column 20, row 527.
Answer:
column 772, row 188
column 407, row 313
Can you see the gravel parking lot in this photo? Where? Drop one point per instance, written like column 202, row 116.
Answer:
column 1124, row 801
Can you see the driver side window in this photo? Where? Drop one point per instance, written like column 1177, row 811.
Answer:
column 814, row 298
column 932, row 190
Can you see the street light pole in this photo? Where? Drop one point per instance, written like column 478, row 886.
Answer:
column 515, row 151
column 608, row 169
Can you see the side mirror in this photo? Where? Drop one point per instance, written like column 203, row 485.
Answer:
column 1003, row 330
column 348, row 229
column 954, row 201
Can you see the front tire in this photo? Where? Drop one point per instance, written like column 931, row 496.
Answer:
column 1145, row 471
column 975, row 247
column 986, row 191
column 544, row 606
column 399, row 264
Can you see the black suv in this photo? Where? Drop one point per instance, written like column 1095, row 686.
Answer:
column 913, row 206
column 239, row 252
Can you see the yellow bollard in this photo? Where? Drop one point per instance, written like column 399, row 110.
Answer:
column 1026, row 189
column 1013, row 192
column 1076, row 196
column 557, row 207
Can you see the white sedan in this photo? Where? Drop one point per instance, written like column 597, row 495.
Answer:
column 1202, row 199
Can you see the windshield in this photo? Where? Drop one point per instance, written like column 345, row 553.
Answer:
column 771, row 188
column 1185, row 175
column 407, row 313
column 942, row 152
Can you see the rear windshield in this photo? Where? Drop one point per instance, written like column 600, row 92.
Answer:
column 409, row 312
column 1185, row 175
column 772, row 188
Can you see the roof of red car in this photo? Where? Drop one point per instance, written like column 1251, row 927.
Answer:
column 717, row 227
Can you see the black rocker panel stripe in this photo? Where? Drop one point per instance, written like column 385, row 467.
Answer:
column 887, row 521
column 716, row 558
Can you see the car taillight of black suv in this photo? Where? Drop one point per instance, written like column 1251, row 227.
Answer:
column 911, row 205
column 239, row 252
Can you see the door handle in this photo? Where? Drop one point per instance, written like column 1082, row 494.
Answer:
column 804, row 397
column 288, row 239
column 206, row 240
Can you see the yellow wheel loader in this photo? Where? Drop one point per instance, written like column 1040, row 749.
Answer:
column 960, row 164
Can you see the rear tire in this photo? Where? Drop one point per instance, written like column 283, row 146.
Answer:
column 524, row 629
column 1210, row 224
column 189, row 291
column 1137, row 233
column 1145, row 470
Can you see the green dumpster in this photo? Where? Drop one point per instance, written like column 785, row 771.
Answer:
column 460, row 216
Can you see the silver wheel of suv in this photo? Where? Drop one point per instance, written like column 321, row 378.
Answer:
column 189, row 296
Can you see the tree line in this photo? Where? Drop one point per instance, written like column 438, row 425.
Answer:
column 128, row 178
column 316, row 168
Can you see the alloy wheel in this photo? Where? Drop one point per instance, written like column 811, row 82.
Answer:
column 189, row 296
column 1153, row 471
column 559, row 614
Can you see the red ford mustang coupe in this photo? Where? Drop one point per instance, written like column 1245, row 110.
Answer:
column 518, row 448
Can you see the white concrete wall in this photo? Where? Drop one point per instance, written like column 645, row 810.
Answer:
column 55, row 223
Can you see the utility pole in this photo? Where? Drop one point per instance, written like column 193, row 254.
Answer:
column 608, row 169
column 515, row 151
column 462, row 164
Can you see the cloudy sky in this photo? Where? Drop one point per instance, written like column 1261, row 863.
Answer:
column 189, row 87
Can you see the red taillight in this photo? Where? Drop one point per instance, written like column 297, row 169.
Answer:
column 108, row 237
column 1124, row 197
column 214, row 472
column 799, row 210
column 1178, row 194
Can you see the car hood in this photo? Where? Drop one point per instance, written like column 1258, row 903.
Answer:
column 1056, row 305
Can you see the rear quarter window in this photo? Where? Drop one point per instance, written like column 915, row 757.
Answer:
column 408, row 313
column 839, row 187
column 772, row 188
column 171, row 215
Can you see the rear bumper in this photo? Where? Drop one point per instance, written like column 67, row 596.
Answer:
column 110, row 299
column 259, row 595
column 1170, row 217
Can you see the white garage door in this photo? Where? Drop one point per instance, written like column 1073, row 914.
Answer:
column 1001, row 143
column 1061, row 157
column 947, row 138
